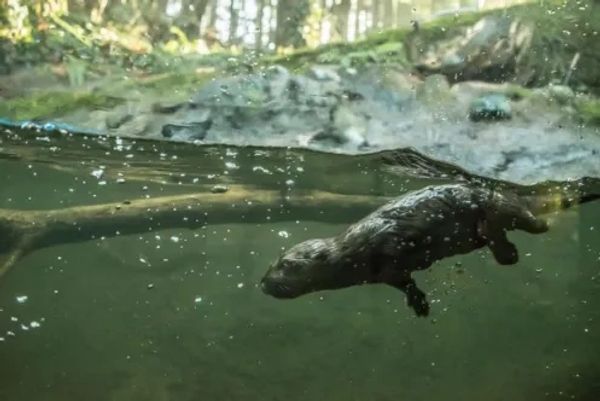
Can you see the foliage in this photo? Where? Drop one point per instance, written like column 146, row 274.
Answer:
column 53, row 103
column 589, row 111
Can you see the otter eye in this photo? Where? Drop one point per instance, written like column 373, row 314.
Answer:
column 321, row 256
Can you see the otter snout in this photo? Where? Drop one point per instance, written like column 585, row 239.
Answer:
column 276, row 284
column 278, row 289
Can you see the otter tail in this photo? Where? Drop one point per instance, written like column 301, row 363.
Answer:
column 553, row 196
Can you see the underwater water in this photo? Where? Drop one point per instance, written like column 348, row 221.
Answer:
column 177, row 314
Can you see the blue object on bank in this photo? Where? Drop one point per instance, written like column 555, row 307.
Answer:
column 48, row 127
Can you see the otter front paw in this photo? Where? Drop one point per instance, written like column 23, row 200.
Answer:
column 415, row 298
column 419, row 304
column 505, row 252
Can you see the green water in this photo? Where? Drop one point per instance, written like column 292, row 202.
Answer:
column 177, row 315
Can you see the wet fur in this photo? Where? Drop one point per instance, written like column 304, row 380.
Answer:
column 407, row 234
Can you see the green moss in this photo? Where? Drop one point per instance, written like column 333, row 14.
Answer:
column 561, row 29
column 517, row 92
column 379, row 48
column 589, row 111
column 174, row 81
column 53, row 104
column 165, row 83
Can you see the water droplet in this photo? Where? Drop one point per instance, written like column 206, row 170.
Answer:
column 240, row 285
column 22, row 299
column 219, row 189
column 283, row 234
column 98, row 173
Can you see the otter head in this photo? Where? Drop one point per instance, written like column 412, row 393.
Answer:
column 307, row 267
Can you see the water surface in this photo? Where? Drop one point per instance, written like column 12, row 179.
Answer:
column 177, row 314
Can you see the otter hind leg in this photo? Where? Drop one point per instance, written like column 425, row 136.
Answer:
column 504, row 251
column 415, row 298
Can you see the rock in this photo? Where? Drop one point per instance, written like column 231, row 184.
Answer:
column 138, row 125
column 191, row 131
column 167, row 107
column 561, row 94
column 491, row 107
column 489, row 50
column 399, row 81
column 114, row 121
column 277, row 79
column 323, row 73
column 346, row 127
column 434, row 90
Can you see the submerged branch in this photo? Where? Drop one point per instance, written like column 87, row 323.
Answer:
column 10, row 258
column 23, row 231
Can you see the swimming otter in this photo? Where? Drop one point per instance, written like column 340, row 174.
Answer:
column 411, row 233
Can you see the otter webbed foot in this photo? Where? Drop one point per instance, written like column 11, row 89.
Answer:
column 504, row 251
column 415, row 298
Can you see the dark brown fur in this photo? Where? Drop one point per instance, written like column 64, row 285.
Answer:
column 407, row 234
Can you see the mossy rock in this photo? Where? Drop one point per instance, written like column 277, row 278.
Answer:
column 517, row 92
column 391, row 48
column 490, row 107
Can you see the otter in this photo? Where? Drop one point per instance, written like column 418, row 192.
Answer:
column 412, row 232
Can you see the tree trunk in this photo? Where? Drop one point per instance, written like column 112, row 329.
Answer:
column 388, row 13
column 324, row 12
column 193, row 27
column 260, row 5
column 376, row 10
column 357, row 18
column 291, row 15
column 212, row 23
column 342, row 18
column 233, row 21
